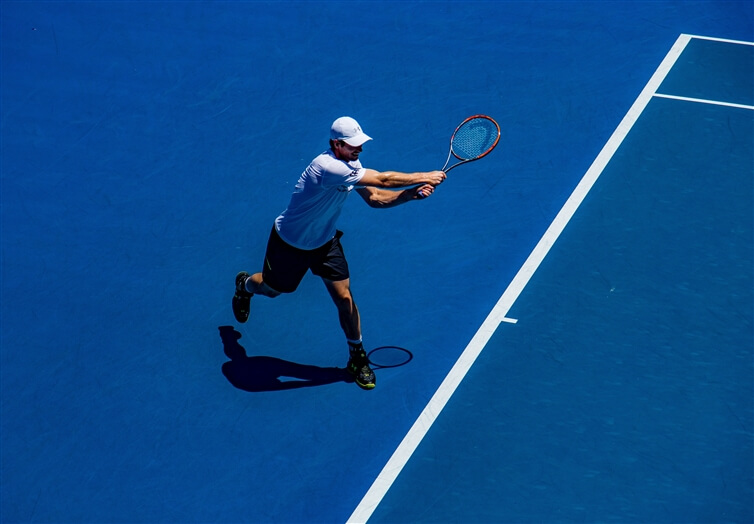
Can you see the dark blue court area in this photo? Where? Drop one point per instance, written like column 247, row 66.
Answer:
column 147, row 147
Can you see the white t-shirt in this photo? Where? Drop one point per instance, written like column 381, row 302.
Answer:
column 316, row 203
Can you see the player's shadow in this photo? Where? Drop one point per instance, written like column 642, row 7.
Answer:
column 261, row 373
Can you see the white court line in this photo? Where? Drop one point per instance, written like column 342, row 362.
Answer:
column 704, row 101
column 724, row 40
column 436, row 404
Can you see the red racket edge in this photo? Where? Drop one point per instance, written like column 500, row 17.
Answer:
column 487, row 152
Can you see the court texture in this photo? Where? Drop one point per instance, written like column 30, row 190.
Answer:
column 577, row 305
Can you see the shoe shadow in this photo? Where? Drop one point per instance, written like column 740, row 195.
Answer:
column 260, row 373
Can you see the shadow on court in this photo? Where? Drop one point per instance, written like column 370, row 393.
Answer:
column 260, row 373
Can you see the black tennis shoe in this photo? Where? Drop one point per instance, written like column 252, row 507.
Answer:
column 358, row 366
column 242, row 298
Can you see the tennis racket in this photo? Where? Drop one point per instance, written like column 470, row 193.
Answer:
column 474, row 138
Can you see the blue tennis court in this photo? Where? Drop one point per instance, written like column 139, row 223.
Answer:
column 578, row 305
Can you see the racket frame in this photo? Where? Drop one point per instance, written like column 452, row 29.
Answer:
column 452, row 153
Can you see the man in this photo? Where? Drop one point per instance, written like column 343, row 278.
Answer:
column 304, row 236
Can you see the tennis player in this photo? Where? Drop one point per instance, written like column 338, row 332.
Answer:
column 304, row 237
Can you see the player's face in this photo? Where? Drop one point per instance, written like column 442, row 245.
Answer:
column 345, row 152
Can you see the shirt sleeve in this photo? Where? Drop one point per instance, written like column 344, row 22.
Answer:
column 340, row 174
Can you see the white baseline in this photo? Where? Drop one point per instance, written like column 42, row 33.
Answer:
column 703, row 101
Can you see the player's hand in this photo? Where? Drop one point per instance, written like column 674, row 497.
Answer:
column 436, row 177
column 424, row 191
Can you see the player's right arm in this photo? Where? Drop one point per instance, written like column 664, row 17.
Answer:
column 395, row 179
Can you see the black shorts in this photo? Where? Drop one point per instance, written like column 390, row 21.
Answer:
column 285, row 265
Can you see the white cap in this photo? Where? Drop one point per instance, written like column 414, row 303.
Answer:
column 349, row 131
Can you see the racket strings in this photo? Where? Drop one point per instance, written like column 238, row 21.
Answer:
column 474, row 138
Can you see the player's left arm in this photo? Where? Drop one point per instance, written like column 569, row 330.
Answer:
column 384, row 198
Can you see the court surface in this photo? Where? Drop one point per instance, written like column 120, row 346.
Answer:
column 624, row 390
column 578, row 304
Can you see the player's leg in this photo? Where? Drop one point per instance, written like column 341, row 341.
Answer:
column 256, row 285
column 284, row 268
column 246, row 287
column 348, row 313
column 350, row 322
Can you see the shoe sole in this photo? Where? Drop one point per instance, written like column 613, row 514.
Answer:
column 241, row 314
column 241, row 304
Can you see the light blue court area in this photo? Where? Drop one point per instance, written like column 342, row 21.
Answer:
column 713, row 70
column 624, row 392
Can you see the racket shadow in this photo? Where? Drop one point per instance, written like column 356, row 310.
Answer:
column 386, row 357
column 263, row 373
